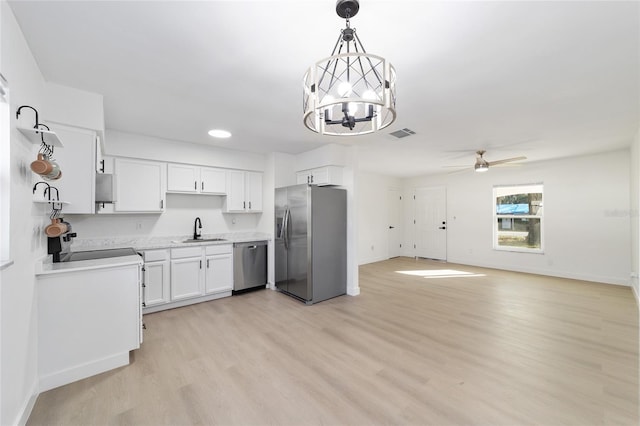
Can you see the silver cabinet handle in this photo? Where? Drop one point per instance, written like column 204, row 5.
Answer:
column 252, row 247
column 200, row 264
column 195, row 184
column 249, row 205
column 244, row 204
column 207, row 263
column 202, row 185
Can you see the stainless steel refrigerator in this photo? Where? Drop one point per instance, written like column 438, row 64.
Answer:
column 311, row 242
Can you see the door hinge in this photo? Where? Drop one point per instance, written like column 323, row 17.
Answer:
column 400, row 245
column 414, row 221
column 414, row 246
column 401, row 198
column 414, row 197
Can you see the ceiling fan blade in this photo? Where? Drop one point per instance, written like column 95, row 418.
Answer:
column 464, row 170
column 456, row 167
column 506, row 160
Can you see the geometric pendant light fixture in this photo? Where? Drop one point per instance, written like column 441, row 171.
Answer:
column 351, row 92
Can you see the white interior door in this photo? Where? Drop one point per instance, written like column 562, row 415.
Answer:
column 431, row 223
column 394, row 204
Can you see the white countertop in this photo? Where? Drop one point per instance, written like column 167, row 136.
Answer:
column 150, row 243
column 47, row 267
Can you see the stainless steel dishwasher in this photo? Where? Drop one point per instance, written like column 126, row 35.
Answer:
column 249, row 265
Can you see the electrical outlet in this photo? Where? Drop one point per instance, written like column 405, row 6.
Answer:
column 139, row 225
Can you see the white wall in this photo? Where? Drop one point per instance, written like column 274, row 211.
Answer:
column 18, row 322
column 138, row 146
column 373, row 216
column 586, row 221
column 634, row 215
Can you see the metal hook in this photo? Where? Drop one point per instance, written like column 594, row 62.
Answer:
column 45, row 190
column 34, row 110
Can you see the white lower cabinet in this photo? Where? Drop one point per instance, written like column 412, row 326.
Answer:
column 219, row 269
column 185, row 275
column 156, row 284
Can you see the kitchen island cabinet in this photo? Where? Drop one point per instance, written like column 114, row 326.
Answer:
column 89, row 318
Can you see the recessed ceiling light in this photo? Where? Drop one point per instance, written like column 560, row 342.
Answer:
column 219, row 133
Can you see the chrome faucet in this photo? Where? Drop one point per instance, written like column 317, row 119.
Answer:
column 197, row 224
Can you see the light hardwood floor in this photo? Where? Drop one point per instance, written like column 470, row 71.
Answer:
column 494, row 348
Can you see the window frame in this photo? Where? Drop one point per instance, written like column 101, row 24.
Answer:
column 496, row 216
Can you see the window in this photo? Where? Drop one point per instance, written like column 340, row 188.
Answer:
column 518, row 219
column 5, row 184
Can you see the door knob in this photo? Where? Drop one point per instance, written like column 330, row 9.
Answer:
column 442, row 227
column 391, row 227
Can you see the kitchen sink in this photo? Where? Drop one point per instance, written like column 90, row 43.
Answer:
column 201, row 240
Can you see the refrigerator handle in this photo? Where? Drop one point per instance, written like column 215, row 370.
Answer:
column 285, row 229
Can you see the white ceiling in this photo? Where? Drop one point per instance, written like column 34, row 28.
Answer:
column 541, row 79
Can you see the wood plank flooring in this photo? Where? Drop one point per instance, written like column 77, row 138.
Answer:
column 488, row 348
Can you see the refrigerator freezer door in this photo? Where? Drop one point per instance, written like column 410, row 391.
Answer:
column 298, row 260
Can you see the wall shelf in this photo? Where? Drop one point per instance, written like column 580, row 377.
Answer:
column 50, row 201
column 36, row 136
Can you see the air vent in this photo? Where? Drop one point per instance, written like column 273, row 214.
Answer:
column 402, row 133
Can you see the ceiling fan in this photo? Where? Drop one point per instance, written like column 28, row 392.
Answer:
column 483, row 165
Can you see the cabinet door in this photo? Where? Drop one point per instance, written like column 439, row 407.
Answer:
column 235, row 192
column 77, row 162
column 157, row 283
column 303, row 177
column 183, row 178
column 140, row 185
column 254, row 191
column 186, row 278
column 213, row 181
column 219, row 273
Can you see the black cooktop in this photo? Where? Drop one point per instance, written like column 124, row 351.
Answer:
column 97, row 254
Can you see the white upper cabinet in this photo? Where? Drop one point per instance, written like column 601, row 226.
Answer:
column 185, row 178
column 244, row 192
column 77, row 162
column 182, row 178
column 254, row 191
column 213, row 181
column 328, row 175
column 140, row 186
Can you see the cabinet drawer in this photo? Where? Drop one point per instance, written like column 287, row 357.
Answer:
column 218, row 249
column 154, row 255
column 180, row 253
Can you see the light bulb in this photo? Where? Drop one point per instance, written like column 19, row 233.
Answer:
column 353, row 108
column 344, row 89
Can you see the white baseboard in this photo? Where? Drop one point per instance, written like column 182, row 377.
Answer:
column 353, row 291
column 25, row 411
column 539, row 271
column 82, row 371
